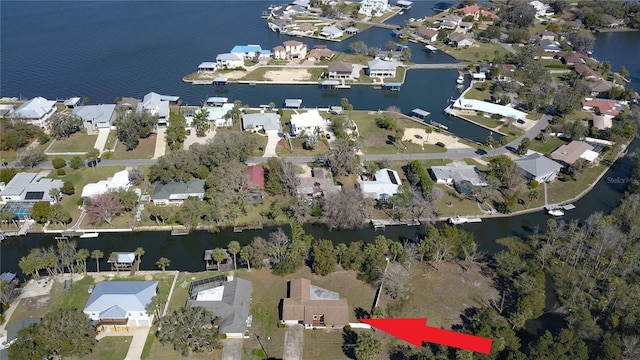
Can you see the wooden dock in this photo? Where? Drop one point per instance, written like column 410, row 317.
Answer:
column 254, row 226
column 381, row 224
column 179, row 232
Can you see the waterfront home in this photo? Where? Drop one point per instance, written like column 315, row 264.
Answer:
column 369, row 7
column 305, row 28
column 538, row 167
column 488, row 108
column 176, row 192
column 96, row 117
column 460, row 40
column 381, row 68
column 601, row 87
column 36, row 111
column 255, row 177
column 570, row 153
column 72, row 102
column 249, row 52
column 459, row 175
column 229, row 61
column 429, row 35
column 207, row 66
column 389, row 55
column 464, row 27
column 586, row 72
column 382, row 185
column 546, row 35
column 158, row 105
column 319, row 183
column 602, row 106
column 505, row 71
column 550, row 46
column 331, row 32
column 572, row 57
column 261, row 121
column 320, row 53
column 470, row 10
column 121, row 303
column 602, row 122
column 122, row 260
column 313, row 306
column 339, row 70
column 304, row 3
column 450, row 22
column 119, row 181
column 309, row 123
column 541, row 8
column 290, row 49
column 23, row 190
column 227, row 298
column 295, row 10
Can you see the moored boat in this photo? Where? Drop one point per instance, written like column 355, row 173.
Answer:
column 457, row 220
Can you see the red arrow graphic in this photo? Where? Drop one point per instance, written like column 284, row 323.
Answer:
column 416, row 331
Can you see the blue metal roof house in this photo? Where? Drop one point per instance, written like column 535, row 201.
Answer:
column 121, row 303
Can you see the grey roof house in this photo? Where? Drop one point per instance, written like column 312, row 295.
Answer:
column 121, row 303
column 339, row 70
column 96, row 116
column 381, row 68
column 228, row 299
column 460, row 40
column 176, row 192
column 158, row 104
column 459, row 175
column 262, row 120
column 538, row 167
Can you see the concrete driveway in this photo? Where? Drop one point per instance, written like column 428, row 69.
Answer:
column 272, row 143
column 161, row 143
column 293, row 341
column 232, row 349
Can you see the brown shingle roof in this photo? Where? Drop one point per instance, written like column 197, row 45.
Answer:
column 340, row 67
column 571, row 152
column 300, row 307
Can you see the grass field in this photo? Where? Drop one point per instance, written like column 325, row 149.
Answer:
column 78, row 142
column 478, row 52
column 477, row 93
column 322, row 344
column 547, row 147
column 144, row 150
column 460, row 205
column 109, row 348
column 483, row 120
column 299, row 150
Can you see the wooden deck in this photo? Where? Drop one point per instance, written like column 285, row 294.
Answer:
column 254, row 226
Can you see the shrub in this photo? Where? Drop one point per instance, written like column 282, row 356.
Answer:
column 58, row 163
column 533, row 184
column 107, row 155
column 386, row 123
column 61, row 172
column 440, row 144
column 67, row 188
column 76, row 162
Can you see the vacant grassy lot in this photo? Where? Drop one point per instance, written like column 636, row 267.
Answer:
column 299, row 150
column 154, row 350
column 477, row 93
column 579, row 115
column 144, row 150
column 547, row 147
column 109, row 348
column 78, row 142
column 322, row 344
column 478, row 52
column 352, row 58
column 452, row 203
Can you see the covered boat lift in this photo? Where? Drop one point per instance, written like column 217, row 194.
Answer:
column 422, row 114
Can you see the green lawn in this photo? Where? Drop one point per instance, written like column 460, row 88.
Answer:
column 299, row 150
column 477, row 53
column 460, row 205
column 323, row 344
column 111, row 140
column 78, row 142
column 579, row 115
column 109, row 348
column 477, row 93
column 483, row 120
column 352, row 58
column 144, row 150
column 547, row 147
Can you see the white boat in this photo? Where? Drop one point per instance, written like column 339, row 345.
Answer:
column 401, row 13
column 457, row 220
column 460, row 79
column 89, row 235
column 555, row 212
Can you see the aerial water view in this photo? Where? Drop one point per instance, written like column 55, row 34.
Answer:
column 319, row 179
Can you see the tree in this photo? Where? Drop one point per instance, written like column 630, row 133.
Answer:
column 159, row 213
column 103, row 208
column 76, row 162
column 323, row 257
column 176, row 131
column 234, row 249
column 30, row 156
column 218, row 255
column 623, row 72
column 8, row 292
column 132, row 126
column 201, row 121
column 358, row 47
column 67, row 188
column 63, row 125
column 136, row 177
column 367, row 347
column 190, row 330
column 581, row 40
column 524, row 146
column 92, row 158
column 58, row 163
column 246, row 254
column 341, row 158
column 606, row 67
column 55, row 194
column 61, row 333
column 521, row 14
column 40, row 211
column 81, row 259
column 163, row 263
column 139, row 252
column 345, row 209
column 97, row 255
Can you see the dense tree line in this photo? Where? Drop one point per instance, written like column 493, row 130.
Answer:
column 16, row 133
column 133, row 126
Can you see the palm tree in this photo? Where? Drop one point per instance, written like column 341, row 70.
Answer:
column 234, row 249
column 245, row 255
column 113, row 257
column 97, row 254
column 163, row 263
column 81, row 259
column 218, row 255
column 341, row 249
column 139, row 252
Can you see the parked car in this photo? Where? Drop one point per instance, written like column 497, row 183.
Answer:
column 520, row 121
column 328, row 136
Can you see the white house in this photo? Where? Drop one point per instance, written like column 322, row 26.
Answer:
column 23, row 187
column 310, row 123
column 331, row 32
column 119, row 180
column 250, row 52
column 229, row 61
column 158, row 104
column 381, row 68
column 541, row 8
column 369, row 7
column 96, row 116
column 121, row 303
column 385, row 183
column 295, row 49
column 458, row 175
column 207, row 66
column 36, row 111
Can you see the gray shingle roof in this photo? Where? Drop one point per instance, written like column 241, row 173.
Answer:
column 268, row 121
column 178, row 190
column 233, row 308
column 538, row 165
column 99, row 113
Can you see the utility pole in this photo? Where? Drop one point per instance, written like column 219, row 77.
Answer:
column 266, row 356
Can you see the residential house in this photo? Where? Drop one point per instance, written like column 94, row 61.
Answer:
column 291, row 49
column 295, row 10
column 505, row 71
column 429, row 35
column 602, row 106
column 119, row 181
column 450, row 22
column 279, row 52
column 158, row 105
column 319, row 183
column 331, row 32
column 381, row 68
column 71, row 103
column 121, row 303
column 550, row 46
column 541, row 8
column 320, row 53
column 96, row 117
column 122, row 260
column 470, row 10
column 459, row 175
column 546, row 35
column 250, row 52
column 484, row 68
column 176, row 192
column 261, row 121
column 571, row 152
column 10, row 278
column 255, row 182
column 575, row 24
column 586, row 72
column 339, row 70
column 602, row 122
column 230, row 61
column 227, row 298
column 303, row 3
column 313, row 306
column 382, row 186
column 217, row 108
column 309, row 122
column 23, row 191
column 601, row 87
column 464, row 27
column 36, row 111
column 306, row 28
column 207, row 66
column 370, row 7
column 538, row 167
column 571, row 57
column 460, row 40
column 488, row 108
column 389, row 55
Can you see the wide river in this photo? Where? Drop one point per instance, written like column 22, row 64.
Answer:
column 107, row 49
